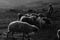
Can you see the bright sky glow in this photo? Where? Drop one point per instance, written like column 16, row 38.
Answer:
column 14, row 3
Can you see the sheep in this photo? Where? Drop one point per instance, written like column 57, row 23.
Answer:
column 58, row 33
column 21, row 27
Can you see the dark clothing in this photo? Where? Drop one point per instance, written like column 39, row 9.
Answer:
column 50, row 12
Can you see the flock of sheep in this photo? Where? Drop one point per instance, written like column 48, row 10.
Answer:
column 28, row 24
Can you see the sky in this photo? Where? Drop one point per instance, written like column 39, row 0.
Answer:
column 15, row 3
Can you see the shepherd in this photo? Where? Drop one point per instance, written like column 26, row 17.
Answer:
column 50, row 10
